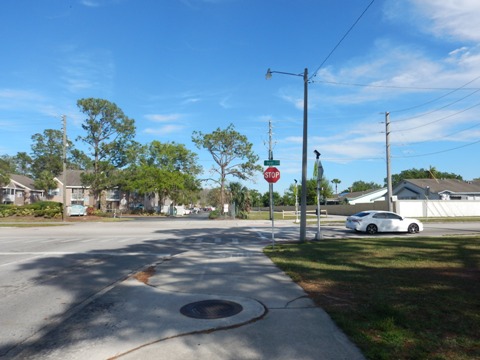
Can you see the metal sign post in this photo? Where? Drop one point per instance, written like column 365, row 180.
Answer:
column 272, row 175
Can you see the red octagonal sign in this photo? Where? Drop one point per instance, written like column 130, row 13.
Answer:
column 272, row 174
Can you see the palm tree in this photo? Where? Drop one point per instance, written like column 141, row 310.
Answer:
column 336, row 182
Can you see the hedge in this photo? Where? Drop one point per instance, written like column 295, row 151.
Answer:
column 46, row 209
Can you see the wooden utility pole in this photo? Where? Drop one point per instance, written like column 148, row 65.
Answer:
column 389, row 172
column 64, row 189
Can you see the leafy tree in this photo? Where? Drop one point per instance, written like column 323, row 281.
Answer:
column 5, row 171
column 109, row 134
column 232, row 153
column 78, row 160
column 364, row 186
column 326, row 191
column 430, row 173
column 22, row 164
column 213, row 198
column 45, row 182
column 277, row 198
column 167, row 168
column 47, row 153
column 256, row 198
column 289, row 195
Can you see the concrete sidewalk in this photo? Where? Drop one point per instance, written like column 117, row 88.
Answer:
column 138, row 321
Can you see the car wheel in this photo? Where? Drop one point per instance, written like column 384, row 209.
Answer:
column 371, row 229
column 413, row 228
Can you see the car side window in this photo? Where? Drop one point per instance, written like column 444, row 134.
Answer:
column 379, row 216
column 394, row 217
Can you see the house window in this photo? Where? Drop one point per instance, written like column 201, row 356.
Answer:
column 78, row 194
column 54, row 192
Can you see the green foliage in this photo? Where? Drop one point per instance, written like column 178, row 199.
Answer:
column 430, row 173
column 240, row 195
column 232, row 152
column 7, row 210
column 242, row 215
column 47, row 153
column 277, row 199
column 5, row 171
column 256, row 198
column 214, row 214
column 364, row 186
column 109, row 135
column 396, row 298
column 45, row 181
column 46, row 209
column 167, row 168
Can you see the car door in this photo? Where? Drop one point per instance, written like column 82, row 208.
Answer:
column 379, row 220
column 394, row 222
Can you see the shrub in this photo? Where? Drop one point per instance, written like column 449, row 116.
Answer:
column 7, row 210
column 242, row 215
column 214, row 214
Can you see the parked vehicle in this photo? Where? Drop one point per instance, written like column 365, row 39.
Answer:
column 77, row 210
column 374, row 221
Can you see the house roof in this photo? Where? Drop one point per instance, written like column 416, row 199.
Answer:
column 451, row 185
column 23, row 180
column 360, row 194
column 73, row 178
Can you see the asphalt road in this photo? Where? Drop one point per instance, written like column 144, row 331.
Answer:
column 47, row 274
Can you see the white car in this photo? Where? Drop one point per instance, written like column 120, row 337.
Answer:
column 375, row 221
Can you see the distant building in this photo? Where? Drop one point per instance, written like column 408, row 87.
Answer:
column 442, row 189
column 363, row 197
column 20, row 191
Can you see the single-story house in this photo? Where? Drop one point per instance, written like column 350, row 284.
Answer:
column 363, row 197
column 433, row 189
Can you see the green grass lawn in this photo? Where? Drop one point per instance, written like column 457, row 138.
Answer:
column 397, row 298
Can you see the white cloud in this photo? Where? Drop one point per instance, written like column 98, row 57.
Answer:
column 164, row 130
column 163, row 117
column 87, row 70
column 90, row 3
column 451, row 19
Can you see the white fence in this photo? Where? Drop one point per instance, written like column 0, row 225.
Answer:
column 437, row 208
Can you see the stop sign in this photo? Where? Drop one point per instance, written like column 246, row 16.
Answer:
column 272, row 174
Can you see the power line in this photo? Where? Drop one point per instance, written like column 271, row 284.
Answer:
column 341, row 40
column 435, row 121
column 396, row 87
column 438, row 152
column 441, row 97
column 441, row 137
column 438, row 109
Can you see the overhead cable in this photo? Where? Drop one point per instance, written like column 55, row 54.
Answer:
column 341, row 40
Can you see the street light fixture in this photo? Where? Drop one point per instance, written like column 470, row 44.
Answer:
column 303, row 204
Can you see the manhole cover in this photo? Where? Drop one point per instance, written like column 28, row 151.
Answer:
column 211, row 309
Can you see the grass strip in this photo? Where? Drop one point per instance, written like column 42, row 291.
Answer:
column 396, row 298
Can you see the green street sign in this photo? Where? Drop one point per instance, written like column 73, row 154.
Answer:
column 271, row 162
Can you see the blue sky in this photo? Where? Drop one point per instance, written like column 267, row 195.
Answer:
column 176, row 66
